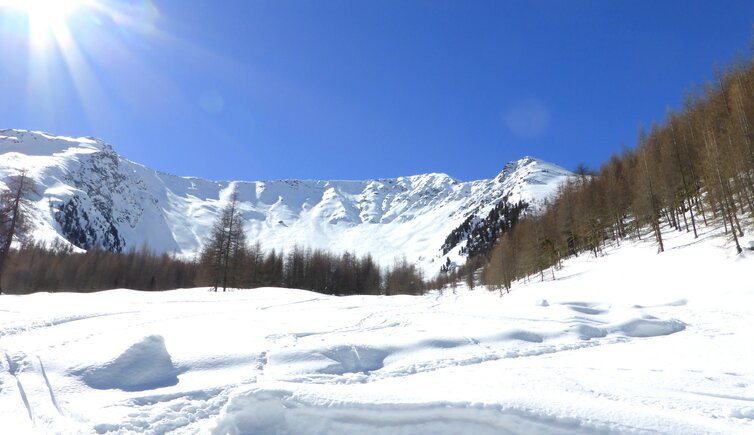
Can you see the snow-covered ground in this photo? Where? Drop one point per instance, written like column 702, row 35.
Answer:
column 632, row 342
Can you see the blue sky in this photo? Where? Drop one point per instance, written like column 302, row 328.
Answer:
column 240, row 89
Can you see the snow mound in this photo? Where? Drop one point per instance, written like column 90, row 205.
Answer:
column 281, row 412
column 144, row 366
column 335, row 360
column 529, row 336
column 355, row 359
column 650, row 327
column 745, row 413
column 584, row 308
column 587, row 332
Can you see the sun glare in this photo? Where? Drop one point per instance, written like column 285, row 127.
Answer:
column 44, row 11
column 45, row 17
column 49, row 10
column 71, row 42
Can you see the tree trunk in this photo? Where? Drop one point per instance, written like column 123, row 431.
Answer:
column 724, row 202
column 655, row 213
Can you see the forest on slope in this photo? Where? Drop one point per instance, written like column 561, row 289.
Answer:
column 693, row 170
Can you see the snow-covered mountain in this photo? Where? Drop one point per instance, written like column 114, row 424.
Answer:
column 89, row 196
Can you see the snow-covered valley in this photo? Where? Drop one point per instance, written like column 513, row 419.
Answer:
column 334, row 218
column 630, row 342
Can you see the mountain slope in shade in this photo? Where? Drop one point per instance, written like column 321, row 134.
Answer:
column 90, row 196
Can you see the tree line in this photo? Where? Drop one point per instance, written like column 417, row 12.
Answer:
column 36, row 267
column 693, row 170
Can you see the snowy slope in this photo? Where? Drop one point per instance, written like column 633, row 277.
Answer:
column 632, row 342
column 91, row 196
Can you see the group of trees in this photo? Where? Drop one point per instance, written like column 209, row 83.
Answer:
column 222, row 258
column 37, row 267
column 693, row 170
column 332, row 274
column 481, row 235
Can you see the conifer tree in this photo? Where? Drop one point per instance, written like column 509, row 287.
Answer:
column 224, row 252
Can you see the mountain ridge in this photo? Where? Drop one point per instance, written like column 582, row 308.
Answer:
column 90, row 196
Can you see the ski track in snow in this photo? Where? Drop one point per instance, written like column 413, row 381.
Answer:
column 13, row 370
column 600, row 350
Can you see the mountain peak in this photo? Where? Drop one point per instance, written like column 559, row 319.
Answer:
column 524, row 166
column 37, row 143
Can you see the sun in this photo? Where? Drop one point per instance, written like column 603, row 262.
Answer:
column 43, row 9
column 45, row 17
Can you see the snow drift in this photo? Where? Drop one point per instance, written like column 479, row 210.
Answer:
column 144, row 366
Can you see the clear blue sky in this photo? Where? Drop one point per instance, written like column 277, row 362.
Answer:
column 351, row 89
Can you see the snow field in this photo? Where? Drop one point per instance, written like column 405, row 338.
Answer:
column 631, row 342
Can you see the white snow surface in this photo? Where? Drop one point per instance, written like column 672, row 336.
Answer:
column 630, row 342
column 387, row 218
